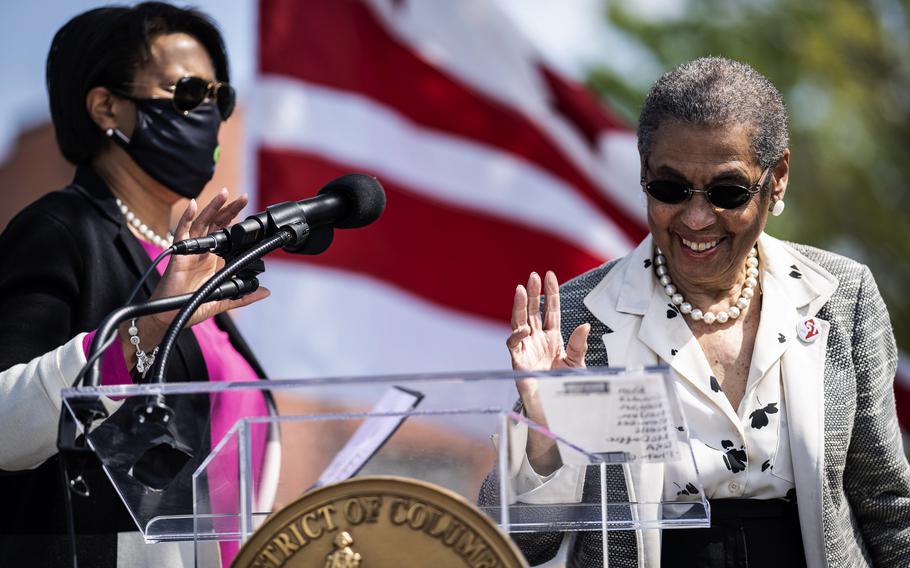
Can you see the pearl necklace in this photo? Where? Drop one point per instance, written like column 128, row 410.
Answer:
column 144, row 230
column 685, row 308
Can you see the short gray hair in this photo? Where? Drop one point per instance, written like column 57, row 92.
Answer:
column 715, row 91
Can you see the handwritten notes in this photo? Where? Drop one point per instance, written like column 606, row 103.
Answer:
column 621, row 418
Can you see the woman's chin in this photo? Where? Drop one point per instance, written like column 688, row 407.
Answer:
column 699, row 266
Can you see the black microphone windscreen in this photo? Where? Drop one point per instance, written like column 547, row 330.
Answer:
column 363, row 194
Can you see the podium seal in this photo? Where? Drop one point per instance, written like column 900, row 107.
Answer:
column 370, row 522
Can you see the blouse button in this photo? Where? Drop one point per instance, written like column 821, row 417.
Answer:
column 734, row 487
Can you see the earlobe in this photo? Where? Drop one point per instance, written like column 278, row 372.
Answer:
column 781, row 175
column 99, row 104
column 777, row 197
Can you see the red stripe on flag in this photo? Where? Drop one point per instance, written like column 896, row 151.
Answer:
column 461, row 259
column 580, row 107
column 340, row 44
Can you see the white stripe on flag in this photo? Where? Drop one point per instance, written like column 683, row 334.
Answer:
column 363, row 134
column 620, row 164
column 502, row 63
column 325, row 322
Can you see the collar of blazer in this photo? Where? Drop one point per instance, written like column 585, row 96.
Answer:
column 627, row 290
column 95, row 189
column 640, row 330
column 98, row 194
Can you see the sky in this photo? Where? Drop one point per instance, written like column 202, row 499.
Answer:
column 571, row 34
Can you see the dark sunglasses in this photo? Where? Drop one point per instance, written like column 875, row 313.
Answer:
column 189, row 92
column 722, row 195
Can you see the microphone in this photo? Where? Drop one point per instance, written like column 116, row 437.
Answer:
column 348, row 202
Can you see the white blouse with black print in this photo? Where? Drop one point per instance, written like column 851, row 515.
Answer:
column 744, row 453
column 744, row 458
column 739, row 454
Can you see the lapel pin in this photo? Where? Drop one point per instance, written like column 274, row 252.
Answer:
column 807, row 330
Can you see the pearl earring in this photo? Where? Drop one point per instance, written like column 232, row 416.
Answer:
column 778, row 207
column 111, row 132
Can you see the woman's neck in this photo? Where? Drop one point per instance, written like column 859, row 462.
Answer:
column 146, row 198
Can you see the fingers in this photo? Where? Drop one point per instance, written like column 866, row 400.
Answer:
column 520, row 327
column 183, row 225
column 260, row 294
column 517, row 336
column 526, row 317
column 520, row 308
column 534, row 286
column 213, row 309
column 551, row 318
column 229, row 212
column 202, row 224
column 577, row 346
column 217, row 214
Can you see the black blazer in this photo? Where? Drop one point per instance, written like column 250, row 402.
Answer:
column 66, row 261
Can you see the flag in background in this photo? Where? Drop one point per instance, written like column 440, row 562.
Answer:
column 493, row 163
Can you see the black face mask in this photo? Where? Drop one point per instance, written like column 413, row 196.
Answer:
column 177, row 151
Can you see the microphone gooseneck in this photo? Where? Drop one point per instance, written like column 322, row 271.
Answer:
column 296, row 231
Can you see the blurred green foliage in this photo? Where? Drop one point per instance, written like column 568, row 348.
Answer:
column 843, row 67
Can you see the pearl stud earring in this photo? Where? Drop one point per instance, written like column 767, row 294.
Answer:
column 778, row 207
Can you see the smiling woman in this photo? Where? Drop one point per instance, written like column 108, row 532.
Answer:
column 705, row 244
column 767, row 342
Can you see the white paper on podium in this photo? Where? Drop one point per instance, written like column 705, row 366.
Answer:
column 624, row 418
column 371, row 435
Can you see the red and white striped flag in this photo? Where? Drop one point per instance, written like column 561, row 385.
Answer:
column 494, row 165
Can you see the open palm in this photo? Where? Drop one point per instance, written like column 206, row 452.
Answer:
column 536, row 340
column 536, row 345
column 186, row 273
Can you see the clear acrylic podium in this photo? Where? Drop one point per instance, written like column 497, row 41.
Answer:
column 464, row 435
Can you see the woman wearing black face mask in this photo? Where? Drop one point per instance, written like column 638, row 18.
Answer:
column 137, row 97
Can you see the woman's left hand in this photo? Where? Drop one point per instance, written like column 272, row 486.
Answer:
column 186, row 273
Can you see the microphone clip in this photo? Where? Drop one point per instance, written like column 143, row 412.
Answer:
column 241, row 237
column 280, row 216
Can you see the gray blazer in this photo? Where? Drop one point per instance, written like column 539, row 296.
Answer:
column 852, row 478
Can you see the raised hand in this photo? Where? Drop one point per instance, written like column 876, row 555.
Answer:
column 536, row 345
column 186, row 273
column 536, row 340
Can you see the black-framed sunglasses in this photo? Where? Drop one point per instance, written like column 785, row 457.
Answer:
column 724, row 195
column 189, row 92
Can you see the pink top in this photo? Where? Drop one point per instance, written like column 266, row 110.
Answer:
column 223, row 363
